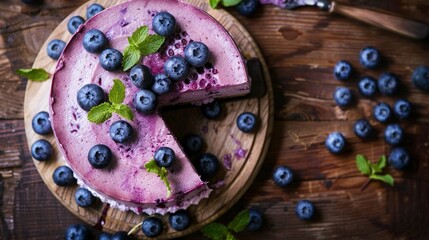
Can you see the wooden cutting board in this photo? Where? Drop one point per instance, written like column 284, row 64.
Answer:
column 221, row 136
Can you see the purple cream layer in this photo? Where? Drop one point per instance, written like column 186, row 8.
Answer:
column 126, row 184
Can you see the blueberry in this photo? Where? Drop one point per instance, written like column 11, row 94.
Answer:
column 247, row 7
column 335, row 142
column 152, row 227
column 84, row 197
column 370, row 57
column 197, row 54
column 31, row 1
column 41, row 150
column 94, row 41
column 93, row 9
column 399, row 158
column 77, row 232
column 367, row 86
column 343, row 96
column 402, row 109
column 343, row 70
column 382, row 112
column 247, row 122
column 161, row 85
column 111, row 59
column 99, row 156
column 304, row 210
column 164, row 157
column 163, row 24
column 74, row 23
column 176, row 68
column 141, row 76
column 393, row 134
column 256, row 220
column 179, row 220
column 90, row 96
column 388, row 84
column 55, row 48
column 363, row 128
column 145, row 101
column 282, row 176
column 121, row 131
column 41, row 123
column 420, row 78
column 63, row 176
column 211, row 110
column 192, row 144
column 121, row 236
column 207, row 165
column 104, row 236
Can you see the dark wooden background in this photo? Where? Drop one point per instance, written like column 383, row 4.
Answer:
column 301, row 48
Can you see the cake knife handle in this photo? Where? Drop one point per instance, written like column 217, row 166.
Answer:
column 383, row 20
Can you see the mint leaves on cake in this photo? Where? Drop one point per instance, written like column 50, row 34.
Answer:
column 104, row 111
column 162, row 173
column 34, row 74
column 141, row 43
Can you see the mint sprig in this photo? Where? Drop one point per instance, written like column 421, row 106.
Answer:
column 162, row 173
column 218, row 231
column 226, row 3
column 104, row 111
column 373, row 170
column 34, row 74
column 141, row 43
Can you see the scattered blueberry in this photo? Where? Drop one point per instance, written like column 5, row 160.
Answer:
column 74, row 23
column 393, row 134
column 145, row 101
column 55, row 48
column 94, row 41
column 90, row 96
column 161, row 85
column 93, row 9
column 121, row 131
column 104, row 236
column 363, row 128
column 256, row 220
column 111, row 59
column 370, row 57
column 335, row 142
column 41, row 123
column 282, row 176
column 163, row 24
column 179, row 220
column 367, row 86
column 176, row 68
column 192, row 143
column 388, row 84
column 247, row 122
column 343, row 70
column 343, row 96
column 399, row 158
column 141, row 76
column 63, row 176
column 84, row 197
column 247, row 7
column 77, row 232
column 304, row 210
column 152, row 227
column 197, row 54
column 207, row 165
column 41, row 150
column 99, row 156
column 420, row 78
column 402, row 109
column 382, row 112
column 122, row 235
column 164, row 157
column 31, row 1
column 211, row 110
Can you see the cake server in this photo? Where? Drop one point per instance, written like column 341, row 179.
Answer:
column 388, row 21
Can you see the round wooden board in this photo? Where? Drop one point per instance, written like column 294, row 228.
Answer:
column 222, row 136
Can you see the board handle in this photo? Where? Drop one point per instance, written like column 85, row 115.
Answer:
column 386, row 21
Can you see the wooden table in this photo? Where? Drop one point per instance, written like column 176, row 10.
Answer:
column 301, row 47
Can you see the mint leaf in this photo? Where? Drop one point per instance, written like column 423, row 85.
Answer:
column 363, row 165
column 229, row 236
column 230, row 3
column 139, row 35
column 117, row 93
column 132, row 56
column 378, row 167
column 240, row 221
column 162, row 173
column 151, row 44
column 124, row 111
column 385, row 178
column 100, row 113
column 215, row 231
column 214, row 3
column 34, row 74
